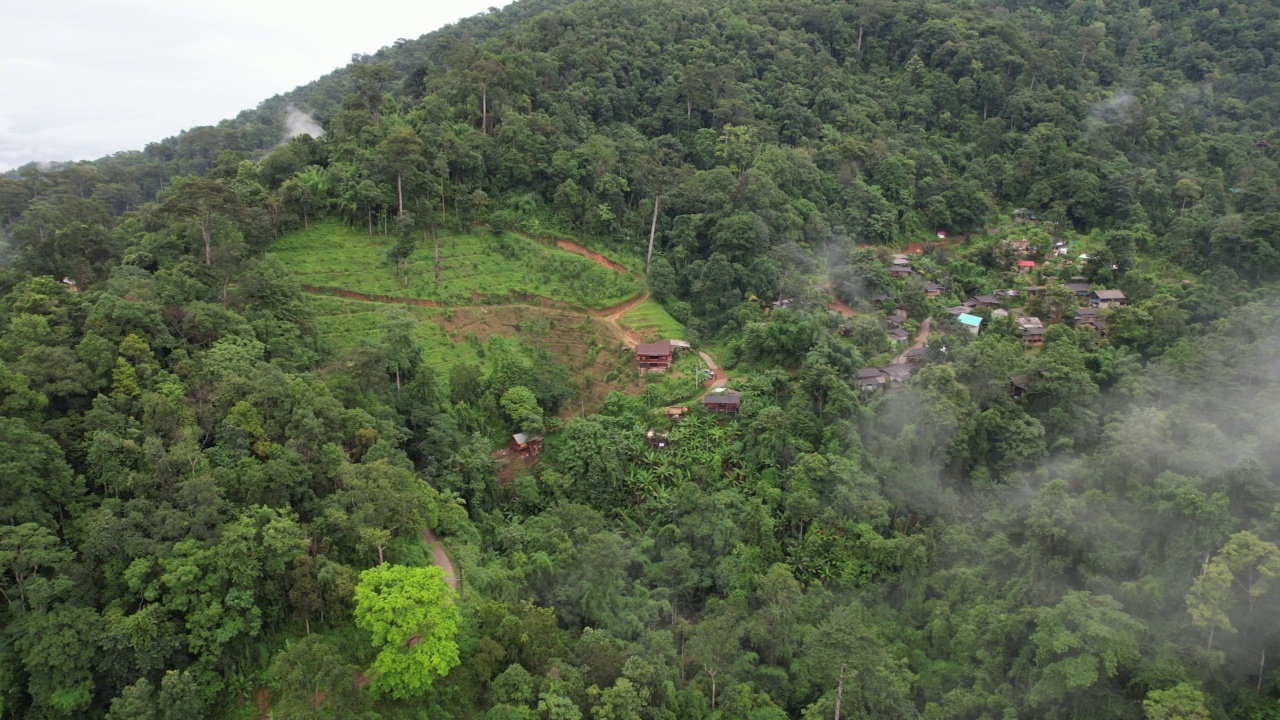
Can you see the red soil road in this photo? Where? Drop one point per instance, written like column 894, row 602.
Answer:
column 921, row 340
column 592, row 255
column 839, row 306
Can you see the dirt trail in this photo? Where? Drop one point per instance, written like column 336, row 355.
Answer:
column 592, row 255
column 921, row 340
column 440, row 557
column 718, row 378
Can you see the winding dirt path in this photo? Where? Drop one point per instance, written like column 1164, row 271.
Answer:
column 718, row 377
column 592, row 255
column 922, row 339
column 440, row 557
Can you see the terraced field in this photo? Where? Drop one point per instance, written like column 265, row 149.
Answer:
column 649, row 321
column 475, row 268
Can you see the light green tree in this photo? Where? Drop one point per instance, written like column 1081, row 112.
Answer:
column 411, row 615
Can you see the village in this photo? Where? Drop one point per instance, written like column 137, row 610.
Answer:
column 1088, row 305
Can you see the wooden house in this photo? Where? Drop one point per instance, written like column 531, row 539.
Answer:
column 898, row 317
column 901, row 271
column 1090, row 317
column 1032, row 331
column 871, row 379
column 878, row 299
column 1018, row 386
column 1080, row 288
column 899, row 336
column 932, row 289
column 654, row 356
column 986, row 301
column 897, row 375
column 916, row 356
column 722, row 401
column 1026, row 266
column 1107, row 298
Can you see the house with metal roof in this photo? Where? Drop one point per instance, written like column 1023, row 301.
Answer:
column 1107, row 298
column 972, row 322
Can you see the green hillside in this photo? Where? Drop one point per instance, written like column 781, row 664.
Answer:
column 993, row 290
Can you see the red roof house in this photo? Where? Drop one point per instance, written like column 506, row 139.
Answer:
column 654, row 356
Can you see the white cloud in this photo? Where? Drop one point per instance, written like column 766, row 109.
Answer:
column 80, row 79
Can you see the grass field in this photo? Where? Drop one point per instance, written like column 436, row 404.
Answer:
column 509, row 267
column 649, row 321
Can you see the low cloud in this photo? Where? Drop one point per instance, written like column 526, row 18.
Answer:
column 1119, row 108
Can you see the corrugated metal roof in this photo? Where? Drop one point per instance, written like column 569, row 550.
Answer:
column 972, row 320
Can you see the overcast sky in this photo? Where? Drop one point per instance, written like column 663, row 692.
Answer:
column 80, row 79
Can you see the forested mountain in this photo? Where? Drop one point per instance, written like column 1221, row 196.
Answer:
column 212, row 505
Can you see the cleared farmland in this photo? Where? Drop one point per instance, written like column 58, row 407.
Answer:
column 474, row 268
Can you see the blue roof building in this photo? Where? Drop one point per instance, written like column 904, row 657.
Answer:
column 973, row 322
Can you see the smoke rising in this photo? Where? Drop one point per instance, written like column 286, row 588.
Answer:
column 297, row 122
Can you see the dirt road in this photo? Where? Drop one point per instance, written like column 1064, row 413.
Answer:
column 921, row 340
column 440, row 558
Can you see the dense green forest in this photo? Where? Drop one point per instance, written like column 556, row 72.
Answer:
column 209, row 508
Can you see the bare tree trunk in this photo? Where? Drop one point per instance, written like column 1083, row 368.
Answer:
column 437, row 253
column 713, row 687
column 839, row 693
column 206, row 231
column 370, row 209
column 1262, row 663
column 379, row 554
column 860, row 28
column 484, row 109
column 400, row 190
column 307, row 622
column 653, row 230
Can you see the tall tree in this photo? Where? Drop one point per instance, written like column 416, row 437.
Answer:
column 410, row 613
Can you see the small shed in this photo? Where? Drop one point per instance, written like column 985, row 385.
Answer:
column 1026, row 265
column 1018, row 386
column 70, row 284
column 675, row 413
column 680, row 344
column 878, row 299
column 656, row 439
column 526, row 443
column 972, row 322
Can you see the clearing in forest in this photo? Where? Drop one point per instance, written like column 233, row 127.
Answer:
column 481, row 265
column 586, row 345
